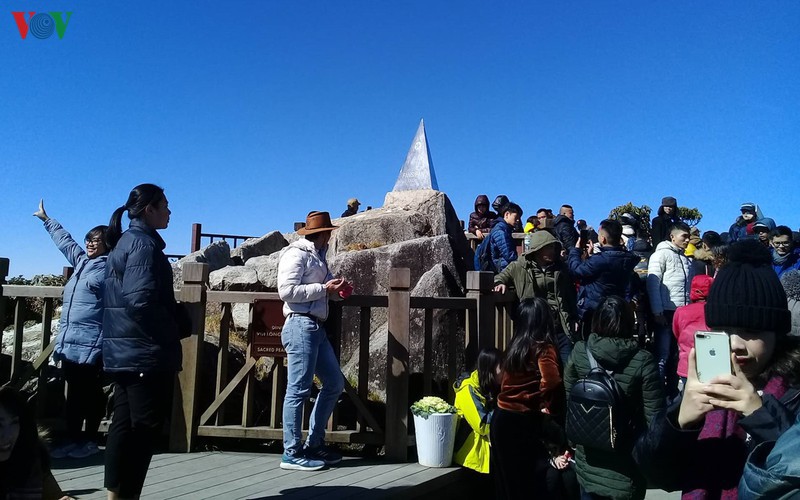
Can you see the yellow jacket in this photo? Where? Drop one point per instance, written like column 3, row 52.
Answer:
column 472, row 438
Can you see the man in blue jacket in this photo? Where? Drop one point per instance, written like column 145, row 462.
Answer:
column 502, row 246
column 785, row 257
column 603, row 274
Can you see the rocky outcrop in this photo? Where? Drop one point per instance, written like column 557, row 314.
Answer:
column 31, row 340
column 235, row 278
column 255, row 247
column 217, row 255
column 448, row 326
column 266, row 268
column 405, row 215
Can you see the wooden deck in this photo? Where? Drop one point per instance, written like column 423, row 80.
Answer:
column 237, row 475
column 233, row 475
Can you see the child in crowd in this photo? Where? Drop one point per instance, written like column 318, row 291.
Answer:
column 614, row 474
column 24, row 463
column 700, row 444
column 476, row 396
column 531, row 393
column 689, row 319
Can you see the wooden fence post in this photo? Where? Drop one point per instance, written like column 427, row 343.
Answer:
column 481, row 334
column 197, row 230
column 397, row 369
column 184, row 407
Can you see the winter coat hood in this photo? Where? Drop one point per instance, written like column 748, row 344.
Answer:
column 612, row 353
column 767, row 222
column 703, row 254
column 482, row 199
column 466, row 380
column 701, row 284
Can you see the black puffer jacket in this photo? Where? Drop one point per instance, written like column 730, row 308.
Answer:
column 140, row 322
column 601, row 275
column 661, row 225
column 564, row 229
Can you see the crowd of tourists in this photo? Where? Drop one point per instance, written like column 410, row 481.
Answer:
column 619, row 310
column 622, row 311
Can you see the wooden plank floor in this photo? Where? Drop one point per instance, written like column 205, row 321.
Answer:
column 234, row 475
column 237, row 475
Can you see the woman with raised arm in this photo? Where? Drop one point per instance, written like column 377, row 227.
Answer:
column 80, row 336
column 141, row 344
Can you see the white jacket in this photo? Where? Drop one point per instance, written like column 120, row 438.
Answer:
column 669, row 278
column 302, row 274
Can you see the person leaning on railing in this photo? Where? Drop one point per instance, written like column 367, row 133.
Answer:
column 80, row 336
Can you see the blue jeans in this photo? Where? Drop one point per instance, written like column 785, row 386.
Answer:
column 308, row 353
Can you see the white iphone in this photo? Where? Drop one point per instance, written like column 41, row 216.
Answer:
column 713, row 354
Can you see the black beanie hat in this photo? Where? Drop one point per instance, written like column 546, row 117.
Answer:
column 747, row 293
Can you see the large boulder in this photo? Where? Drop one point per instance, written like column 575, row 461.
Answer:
column 376, row 228
column 266, row 268
column 368, row 270
column 235, row 278
column 405, row 215
column 217, row 255
column 254, row 247
column 448, row 327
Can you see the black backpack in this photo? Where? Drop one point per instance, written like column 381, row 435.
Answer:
column 483, row 256
column 597, row 413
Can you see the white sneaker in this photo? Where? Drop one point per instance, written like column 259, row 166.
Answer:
column 64, row 450
column 87, row 450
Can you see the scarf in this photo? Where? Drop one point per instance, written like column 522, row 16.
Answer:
column 778, row 260
column 721, row 452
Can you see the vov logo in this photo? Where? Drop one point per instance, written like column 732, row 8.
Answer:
column 42, row 25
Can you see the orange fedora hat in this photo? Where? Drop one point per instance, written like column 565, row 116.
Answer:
column 316, row 222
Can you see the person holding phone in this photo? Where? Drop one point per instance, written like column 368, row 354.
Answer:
column 305, row 284
column 701, row 443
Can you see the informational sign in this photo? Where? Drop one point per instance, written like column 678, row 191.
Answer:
column 266, row 329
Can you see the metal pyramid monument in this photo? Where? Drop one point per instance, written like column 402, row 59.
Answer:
column 417, row 171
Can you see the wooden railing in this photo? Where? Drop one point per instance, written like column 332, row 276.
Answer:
column 474, row 241
column 485, row 318
column 20, row 371
column 198, row 235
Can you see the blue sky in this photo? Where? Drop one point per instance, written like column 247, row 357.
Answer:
column 251, row 114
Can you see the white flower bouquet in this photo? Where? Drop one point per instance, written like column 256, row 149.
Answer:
column 430, row 405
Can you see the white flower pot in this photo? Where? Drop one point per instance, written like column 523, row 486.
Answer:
column 435, row 437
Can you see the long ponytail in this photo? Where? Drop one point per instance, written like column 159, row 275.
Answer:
column 114, row 231
column 139, row 199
